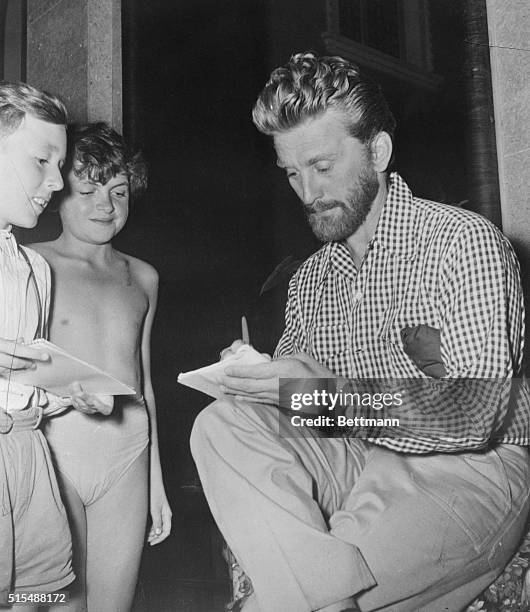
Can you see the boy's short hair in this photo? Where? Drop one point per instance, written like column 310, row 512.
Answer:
column 17, row 99
column 97, row 153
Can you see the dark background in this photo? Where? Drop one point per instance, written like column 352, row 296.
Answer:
column 219, row 216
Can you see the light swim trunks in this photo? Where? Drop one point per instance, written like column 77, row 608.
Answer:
column 93, row 451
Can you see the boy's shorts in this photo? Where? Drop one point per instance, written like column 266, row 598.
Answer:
column 35, row 542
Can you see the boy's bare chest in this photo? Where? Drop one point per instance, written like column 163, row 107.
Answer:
column 110, row 301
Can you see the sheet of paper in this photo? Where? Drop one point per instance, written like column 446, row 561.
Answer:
column 208, row 379
column 63, row 369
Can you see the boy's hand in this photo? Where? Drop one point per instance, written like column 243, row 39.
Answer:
column 56, row 404
column 160, row 514
column 14, row 355
column 90, row 403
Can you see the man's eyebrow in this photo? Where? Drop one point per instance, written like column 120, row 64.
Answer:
column 311, row 161
column 124, row 182
column 320, row 157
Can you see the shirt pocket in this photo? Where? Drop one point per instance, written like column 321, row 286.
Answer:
column 388, row 343
column 327, row 343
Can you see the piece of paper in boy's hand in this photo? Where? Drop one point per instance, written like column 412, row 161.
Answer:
column 208, row 379
column 57, row 374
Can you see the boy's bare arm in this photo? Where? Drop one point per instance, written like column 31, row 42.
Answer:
column 159, row 506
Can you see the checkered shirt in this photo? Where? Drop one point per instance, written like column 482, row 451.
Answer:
column 431, row 264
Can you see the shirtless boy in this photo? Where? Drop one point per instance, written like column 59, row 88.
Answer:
column 103, row 310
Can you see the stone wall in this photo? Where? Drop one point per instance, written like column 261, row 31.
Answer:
column 509, row 36
column 74, row 49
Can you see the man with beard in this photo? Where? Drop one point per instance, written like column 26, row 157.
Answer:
column 422, row 517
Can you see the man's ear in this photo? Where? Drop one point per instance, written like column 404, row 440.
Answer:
column 381, row 149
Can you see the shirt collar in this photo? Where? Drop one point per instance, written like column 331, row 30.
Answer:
column 8, row 243
column 396, row 228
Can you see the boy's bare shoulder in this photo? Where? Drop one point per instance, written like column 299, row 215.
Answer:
column 46, row 249
column 144, row 272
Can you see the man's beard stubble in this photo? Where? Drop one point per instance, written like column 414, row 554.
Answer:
column 353, row 212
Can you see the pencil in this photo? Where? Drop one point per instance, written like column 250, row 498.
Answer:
column 244, row 330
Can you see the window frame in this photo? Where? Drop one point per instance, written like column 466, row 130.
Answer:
column 415, row 68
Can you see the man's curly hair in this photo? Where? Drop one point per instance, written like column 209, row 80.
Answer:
column 308, row 85
column 97, row 153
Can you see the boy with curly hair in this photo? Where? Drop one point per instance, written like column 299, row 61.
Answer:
column 103, row 310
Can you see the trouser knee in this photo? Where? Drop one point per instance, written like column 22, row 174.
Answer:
column 208, row 424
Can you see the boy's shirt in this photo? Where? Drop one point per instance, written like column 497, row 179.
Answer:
column 24, row 306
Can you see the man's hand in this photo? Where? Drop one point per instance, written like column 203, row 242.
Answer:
column 14, row 355
column 90, row 403
column 259, row 383
column 233, row 348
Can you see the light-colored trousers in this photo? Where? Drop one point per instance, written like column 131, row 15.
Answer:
column 315, row 520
